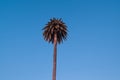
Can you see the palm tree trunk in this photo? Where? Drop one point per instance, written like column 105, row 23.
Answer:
column 54, row 58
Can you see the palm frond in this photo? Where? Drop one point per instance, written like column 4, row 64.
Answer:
column 55, row 26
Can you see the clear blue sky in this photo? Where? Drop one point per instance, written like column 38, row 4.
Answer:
column 91, row 52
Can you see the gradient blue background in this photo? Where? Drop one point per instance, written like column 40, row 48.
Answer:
column 91, row 52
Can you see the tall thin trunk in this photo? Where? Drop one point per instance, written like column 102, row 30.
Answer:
column 54, row 58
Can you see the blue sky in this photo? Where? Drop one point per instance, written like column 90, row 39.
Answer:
column 91, row 52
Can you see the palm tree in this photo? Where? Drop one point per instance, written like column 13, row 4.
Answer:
column 55, row 32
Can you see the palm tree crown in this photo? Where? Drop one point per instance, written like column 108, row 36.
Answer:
column 55, row 27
